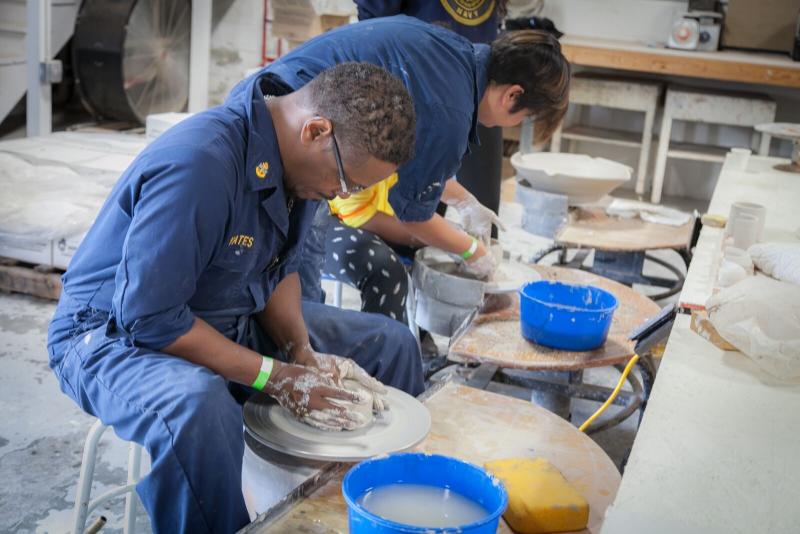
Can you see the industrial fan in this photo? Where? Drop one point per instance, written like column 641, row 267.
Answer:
column 131, row 57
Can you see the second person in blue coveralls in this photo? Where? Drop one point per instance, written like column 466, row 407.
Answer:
column 186, row 284
column 456, row 86
column 478, row 21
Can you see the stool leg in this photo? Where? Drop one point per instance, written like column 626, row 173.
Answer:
column 411, row 310
column 83, row 493
column 131, row 499
column 644, row 154
column 661, row 158
column 555, row 141
column 337, row 293
column 763, row 148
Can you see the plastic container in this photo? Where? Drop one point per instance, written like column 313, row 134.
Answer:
column 467, row 479
column 564, row 316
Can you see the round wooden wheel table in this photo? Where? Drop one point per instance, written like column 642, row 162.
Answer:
column 495, row 342
column 622, row 246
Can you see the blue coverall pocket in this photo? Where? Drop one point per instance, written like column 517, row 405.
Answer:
column 236, row 259
column 83, row 349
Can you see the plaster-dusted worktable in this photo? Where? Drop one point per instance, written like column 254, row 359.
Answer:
column 718, row 450
column 476, row 426
column 759, row 183
column 719, row 447
column 732, row 66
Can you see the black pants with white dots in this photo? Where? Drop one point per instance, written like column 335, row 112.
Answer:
column 363, row 260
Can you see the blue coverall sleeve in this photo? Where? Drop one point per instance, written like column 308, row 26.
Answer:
column 438, row 156
column 370, row 9
column 178, row 221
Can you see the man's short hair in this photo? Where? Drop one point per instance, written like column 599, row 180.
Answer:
column 371, row 111
column 533, row 59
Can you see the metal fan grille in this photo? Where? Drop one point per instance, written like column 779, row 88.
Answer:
column 155, row 60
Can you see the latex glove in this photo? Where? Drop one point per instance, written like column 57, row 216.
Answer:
column 482, row 268
column 307, row 394
column 477, row 219
column 340, row 369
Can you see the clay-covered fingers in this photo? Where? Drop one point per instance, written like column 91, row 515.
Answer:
column 326, row 364
column 477, row 219
column 334, row 408
column 348, row 369
column 379, row 403
column 319, row 397
column 482, row 268
column 334, row 419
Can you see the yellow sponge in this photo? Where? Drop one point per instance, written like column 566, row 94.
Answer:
column 539, row 497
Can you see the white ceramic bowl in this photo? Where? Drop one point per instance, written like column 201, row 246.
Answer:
column 582, row 178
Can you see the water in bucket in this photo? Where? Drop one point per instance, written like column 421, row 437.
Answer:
column 422, row 505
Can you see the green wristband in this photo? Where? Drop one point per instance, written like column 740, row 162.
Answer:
column 467, row 254
column 263, row 373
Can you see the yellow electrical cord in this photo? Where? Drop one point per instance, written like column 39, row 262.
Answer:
column 613, row 395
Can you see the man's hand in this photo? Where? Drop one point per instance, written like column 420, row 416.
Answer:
column 306, row 393
column 477, row 219
column 340, row 369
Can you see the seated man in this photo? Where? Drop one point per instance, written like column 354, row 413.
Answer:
column 187, row 284
column 455, row 85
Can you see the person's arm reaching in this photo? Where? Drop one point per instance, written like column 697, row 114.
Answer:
column 435, row 232
column 476, row 218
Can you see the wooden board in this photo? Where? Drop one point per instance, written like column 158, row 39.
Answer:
column 744, row 67
column 498, row 427
column 496, row 338
column 593, row 228
column 19, row 279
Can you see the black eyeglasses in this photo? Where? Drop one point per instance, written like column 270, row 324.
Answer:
column 340, row 167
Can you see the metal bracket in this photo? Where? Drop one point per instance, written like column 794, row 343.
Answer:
column 51, row 71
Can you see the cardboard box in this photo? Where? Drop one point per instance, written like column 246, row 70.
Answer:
column 301, row 20
column 760, row 24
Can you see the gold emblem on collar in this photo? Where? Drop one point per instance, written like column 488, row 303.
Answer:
column 261, row 169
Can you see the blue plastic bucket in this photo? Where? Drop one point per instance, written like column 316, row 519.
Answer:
column 467, row 479
column 564, row 316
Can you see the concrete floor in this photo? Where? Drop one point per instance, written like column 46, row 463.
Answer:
column 42, row 435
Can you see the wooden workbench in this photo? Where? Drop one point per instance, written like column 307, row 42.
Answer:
column 476, row 426
column 732, row 66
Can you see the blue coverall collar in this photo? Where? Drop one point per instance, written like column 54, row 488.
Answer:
column 264, row 166
column 482, row 54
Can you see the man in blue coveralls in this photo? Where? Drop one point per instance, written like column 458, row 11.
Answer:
column 455, row 85
column 186, row 285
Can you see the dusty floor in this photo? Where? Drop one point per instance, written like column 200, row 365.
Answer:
column 42, row 431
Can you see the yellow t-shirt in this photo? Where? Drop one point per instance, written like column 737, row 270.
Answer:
column 362, row 206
